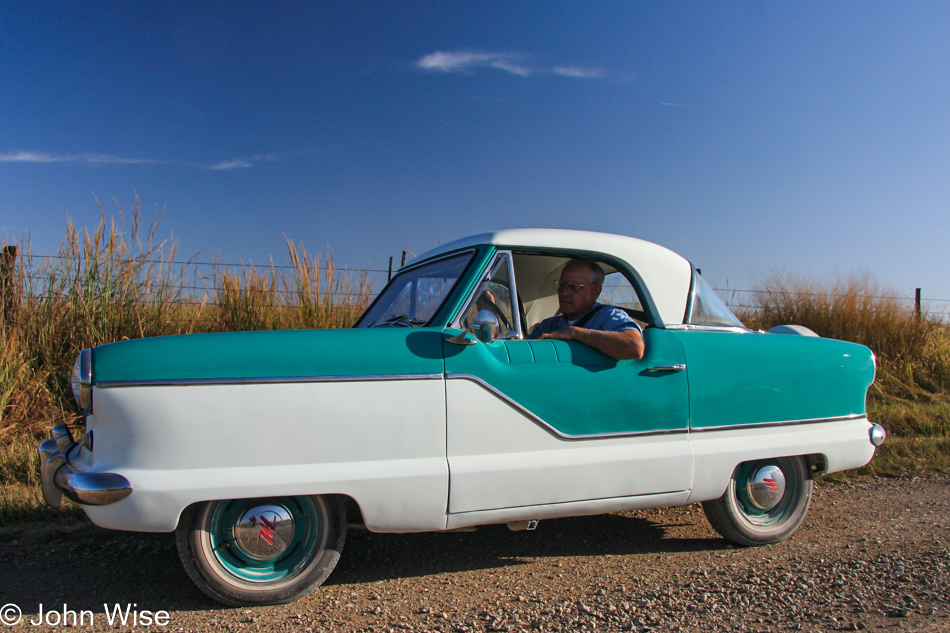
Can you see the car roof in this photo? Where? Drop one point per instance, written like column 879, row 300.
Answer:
column 666, row 276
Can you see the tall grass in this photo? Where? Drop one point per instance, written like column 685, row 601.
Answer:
column 111, row 284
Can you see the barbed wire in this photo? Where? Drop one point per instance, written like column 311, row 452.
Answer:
column 35, row 277
column 176, row 262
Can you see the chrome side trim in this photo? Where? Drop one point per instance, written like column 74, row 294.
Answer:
column 186, row 382
column 710, row 328
column 547, row 427
column 756, row 425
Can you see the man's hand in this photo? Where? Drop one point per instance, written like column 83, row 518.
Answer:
column 618, row 345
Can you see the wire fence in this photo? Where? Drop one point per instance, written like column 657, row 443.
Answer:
column 749, row 300
column 195, row 282
column 200, row 280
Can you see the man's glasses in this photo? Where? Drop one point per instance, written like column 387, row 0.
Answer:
column 570, row 286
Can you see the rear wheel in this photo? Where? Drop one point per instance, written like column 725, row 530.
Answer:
column 766, row 501
column 261, row 551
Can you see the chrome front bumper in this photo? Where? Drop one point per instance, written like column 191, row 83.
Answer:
column 60, row 477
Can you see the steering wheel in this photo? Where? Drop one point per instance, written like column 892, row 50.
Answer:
column 498, row 313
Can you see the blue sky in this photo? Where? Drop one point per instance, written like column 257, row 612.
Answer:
column 747, row 136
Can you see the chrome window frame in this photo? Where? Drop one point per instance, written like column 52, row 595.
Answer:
column 691, row 304
column 518, row 334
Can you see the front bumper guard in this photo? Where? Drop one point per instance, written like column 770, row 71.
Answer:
column 59, row 477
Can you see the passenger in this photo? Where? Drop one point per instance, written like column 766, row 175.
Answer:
column 607, row 329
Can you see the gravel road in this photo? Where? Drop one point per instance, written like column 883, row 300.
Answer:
column 873, row 555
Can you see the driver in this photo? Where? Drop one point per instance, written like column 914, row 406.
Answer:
column 607, row 329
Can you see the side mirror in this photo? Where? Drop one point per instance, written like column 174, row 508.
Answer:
column 484, row 326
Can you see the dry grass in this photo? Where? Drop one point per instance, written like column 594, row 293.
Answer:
column 109, row 285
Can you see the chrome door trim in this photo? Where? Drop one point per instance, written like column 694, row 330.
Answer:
column 758, row 425
column 188, row 382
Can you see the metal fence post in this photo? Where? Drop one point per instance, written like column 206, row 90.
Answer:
column 8, row 289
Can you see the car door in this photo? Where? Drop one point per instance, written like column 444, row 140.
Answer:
column 535, row 422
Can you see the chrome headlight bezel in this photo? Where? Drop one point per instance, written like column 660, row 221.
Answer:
column 81, row 381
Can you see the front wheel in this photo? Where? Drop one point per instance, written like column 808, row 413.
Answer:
column 766, row 501
column 261, row 551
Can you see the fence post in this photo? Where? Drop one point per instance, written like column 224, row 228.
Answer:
column 917, row 304
column 390, row 277
column 403, row 259
column 8, row 299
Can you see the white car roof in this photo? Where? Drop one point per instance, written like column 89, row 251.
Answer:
column 666, row 276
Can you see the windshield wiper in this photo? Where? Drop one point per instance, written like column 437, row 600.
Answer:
column 400, row 320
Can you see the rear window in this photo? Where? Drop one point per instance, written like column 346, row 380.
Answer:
column 708, row 308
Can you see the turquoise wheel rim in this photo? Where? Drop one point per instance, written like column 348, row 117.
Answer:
column 264, row 565
column 749, row 510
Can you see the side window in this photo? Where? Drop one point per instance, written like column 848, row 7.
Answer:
column 535, row 274
column 491, row 304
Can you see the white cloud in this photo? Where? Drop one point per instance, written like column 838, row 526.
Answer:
column 466, row 61
column 97, row 159
column 244, row 163
column 105, row 159
column 578, row 72
column 31, row 157
column 511, row 67
column 234, row 163
column 513, row 63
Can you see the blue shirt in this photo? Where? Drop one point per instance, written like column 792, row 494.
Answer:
column 607, row 319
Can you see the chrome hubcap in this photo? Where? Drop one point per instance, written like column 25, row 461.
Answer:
column 767, row 487
column 264, row 532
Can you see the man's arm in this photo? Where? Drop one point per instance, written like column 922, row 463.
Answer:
column 621, row 345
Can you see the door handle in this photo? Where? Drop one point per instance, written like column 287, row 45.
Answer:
column 677, row 367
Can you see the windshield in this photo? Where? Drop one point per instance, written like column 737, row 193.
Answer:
column 413, row 297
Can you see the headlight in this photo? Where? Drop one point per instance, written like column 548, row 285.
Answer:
column 82, row 381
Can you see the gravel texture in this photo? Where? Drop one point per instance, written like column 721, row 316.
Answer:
column 873, row 554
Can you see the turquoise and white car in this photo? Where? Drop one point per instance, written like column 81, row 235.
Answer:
column 435, row 413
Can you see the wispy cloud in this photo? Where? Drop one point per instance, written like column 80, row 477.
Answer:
column 680, row 105
column 94, row 159
column 513, row 63
column 578, row 72
column 467, row 61
column 244, row 163
column 105, row 159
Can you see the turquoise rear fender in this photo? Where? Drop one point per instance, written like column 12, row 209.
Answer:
column 738, row 378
